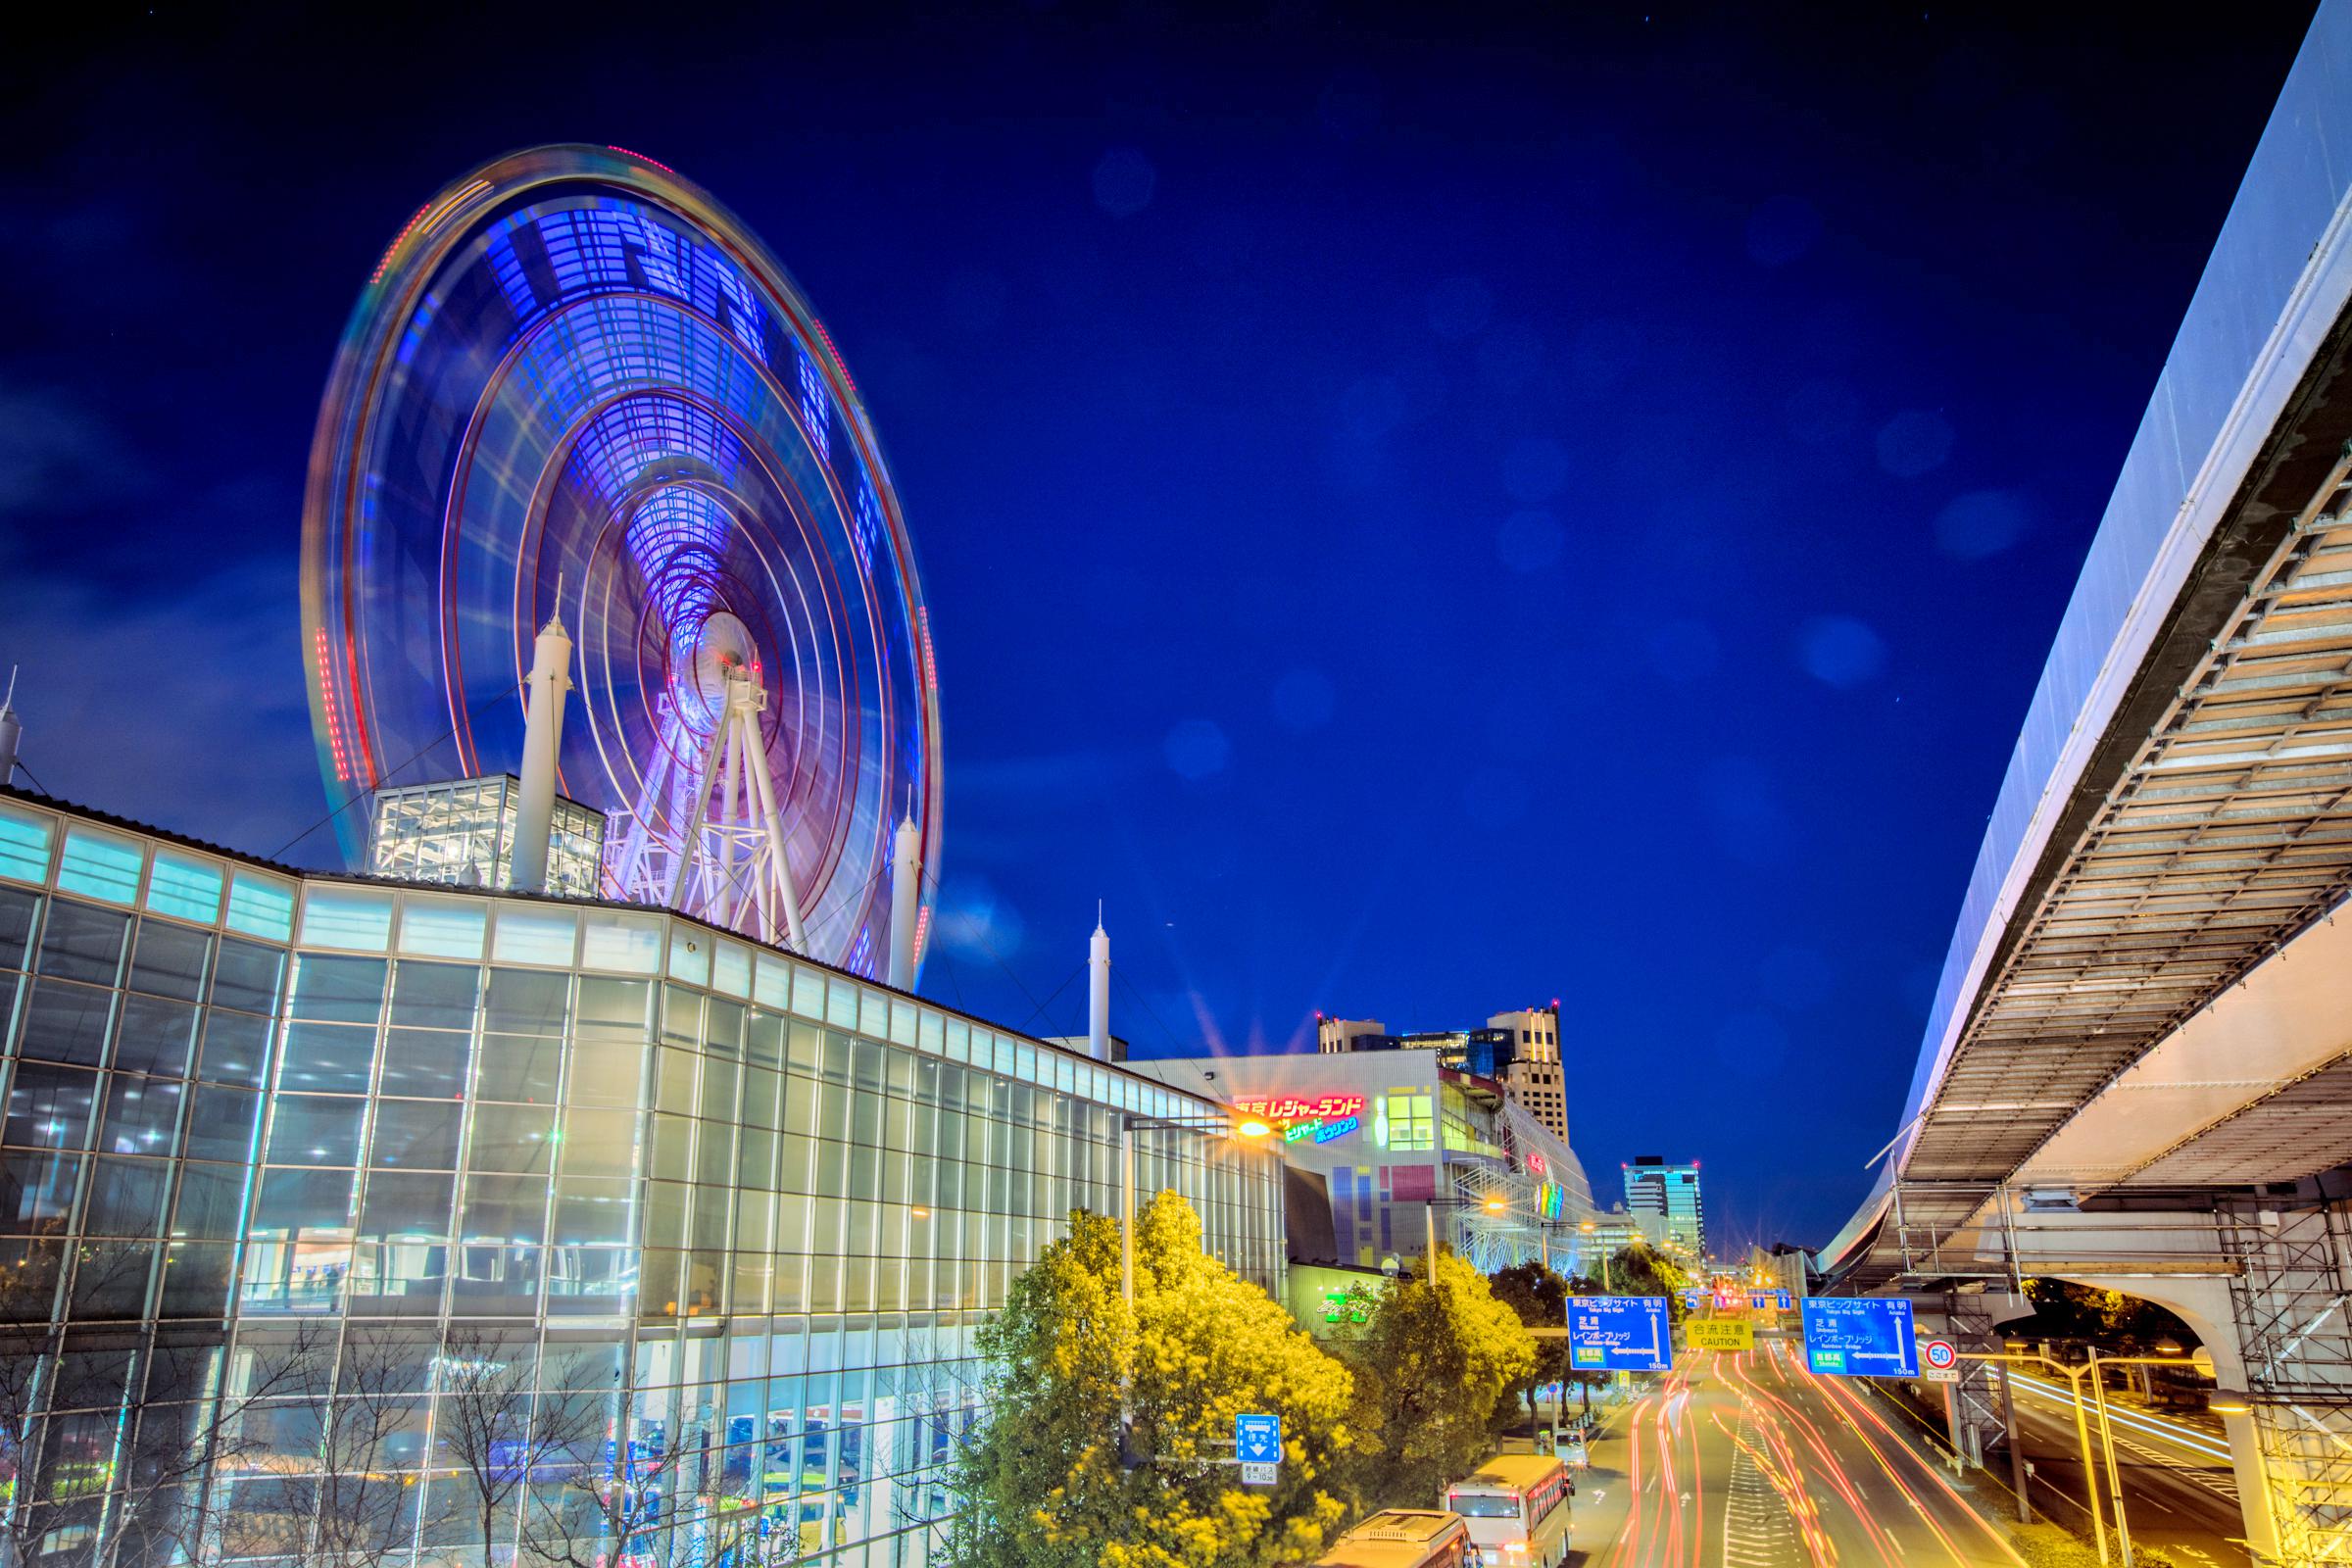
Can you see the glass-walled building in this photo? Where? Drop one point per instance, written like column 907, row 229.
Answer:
column 343, row 1215
column 462, row 831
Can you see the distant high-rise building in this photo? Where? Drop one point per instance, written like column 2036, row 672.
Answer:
column 1654, row 1187
column 1342, row 1034
column 1519, row 1051
column 1533, row 1078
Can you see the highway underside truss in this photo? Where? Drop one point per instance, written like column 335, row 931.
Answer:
column 2212, row 825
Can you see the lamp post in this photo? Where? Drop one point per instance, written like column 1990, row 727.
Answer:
column 1607, row 1284
column 1491, row 1204
column 1129, row 1121
column 2075, row 1373
column 1247, row 1128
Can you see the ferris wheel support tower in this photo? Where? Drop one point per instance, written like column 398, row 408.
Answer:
column 735, row 761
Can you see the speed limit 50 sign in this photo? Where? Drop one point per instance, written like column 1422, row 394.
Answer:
column 1939, row 1354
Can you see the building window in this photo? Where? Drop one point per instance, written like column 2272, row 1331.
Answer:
column 1407, row 1122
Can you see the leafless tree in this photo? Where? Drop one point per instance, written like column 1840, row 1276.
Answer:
column 115, row 1426
column 597, row 1500
column 590, row 1507
column 30, row 1342
column 362, row 1516
column 487, row 1427
column 184, row 1498
column 938, row 1399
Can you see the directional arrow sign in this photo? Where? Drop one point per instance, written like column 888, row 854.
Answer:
column 1257, row 1439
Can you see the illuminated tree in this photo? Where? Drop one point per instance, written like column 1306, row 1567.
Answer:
column 1431, row 1366
column 1043, row 1477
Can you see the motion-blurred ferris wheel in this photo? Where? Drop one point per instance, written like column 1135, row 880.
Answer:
column 576, row 387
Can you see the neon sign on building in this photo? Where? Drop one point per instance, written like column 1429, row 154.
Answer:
column 1292, row 1109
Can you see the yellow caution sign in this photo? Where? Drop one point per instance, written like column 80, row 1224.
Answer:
column 1720, row 1334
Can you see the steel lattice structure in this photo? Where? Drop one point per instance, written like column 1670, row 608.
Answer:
column 2289, row 1296
column 576, row 387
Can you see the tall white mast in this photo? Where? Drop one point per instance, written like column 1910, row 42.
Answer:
column 542, row 738
column 1098, row 991
column 905, row 883
column 11, row 731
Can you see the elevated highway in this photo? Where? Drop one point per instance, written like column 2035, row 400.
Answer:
column 2138, row 1063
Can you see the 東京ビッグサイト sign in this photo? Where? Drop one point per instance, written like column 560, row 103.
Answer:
column 1619, row 1334
column 1860, row 1337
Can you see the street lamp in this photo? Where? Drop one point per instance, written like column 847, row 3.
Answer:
column 1249, row 1128
column 1491, row 1204
column 1606, row 1283
column 1129, row 1121
column 2075, row 1374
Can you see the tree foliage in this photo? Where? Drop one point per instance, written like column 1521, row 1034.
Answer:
column 1430, row 1368
column 1540, row 1297
column 1041, row 1476
column 1639, row 1269
column 2110, row 1319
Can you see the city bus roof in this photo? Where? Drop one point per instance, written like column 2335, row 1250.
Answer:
column 1397, row 1537
column 1517, row 1471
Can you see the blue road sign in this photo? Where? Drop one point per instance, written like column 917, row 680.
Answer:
column 1257, row 1439
column 1619, row 1334
column 1696, row 1300
column 1860, row 1337
column 1760, row 1299
column 1782, row 1302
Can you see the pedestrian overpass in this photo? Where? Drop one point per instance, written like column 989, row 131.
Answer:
column 2137, row 1069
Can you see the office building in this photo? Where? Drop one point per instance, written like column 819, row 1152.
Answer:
column 1519, row 1051
column 1671, row 1194
column 1619, row 1229
column 722, row 1220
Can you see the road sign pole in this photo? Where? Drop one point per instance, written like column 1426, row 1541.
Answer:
column 2016, row 1450
column 2115, row 1480
column 2090, row 1470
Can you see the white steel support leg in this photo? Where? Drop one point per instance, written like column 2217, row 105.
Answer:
column 629, row 868
column 690, row 848
column 765, row 786
column 729, row 767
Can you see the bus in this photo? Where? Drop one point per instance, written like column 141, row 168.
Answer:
column 1402, row 1537
column 1517, row 1507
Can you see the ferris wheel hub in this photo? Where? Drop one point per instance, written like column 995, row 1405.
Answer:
column 722, row 647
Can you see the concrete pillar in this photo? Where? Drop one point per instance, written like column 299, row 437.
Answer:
column 2205, row 1304
column 2294, row 1353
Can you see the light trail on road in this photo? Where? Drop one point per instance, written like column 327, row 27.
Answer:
column 1805, row 1475
column 2187, row 1437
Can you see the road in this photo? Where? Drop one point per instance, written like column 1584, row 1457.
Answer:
column 2178, row 1492
column 1747, row 1460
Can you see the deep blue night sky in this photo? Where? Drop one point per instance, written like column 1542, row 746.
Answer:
column 1420, row 518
